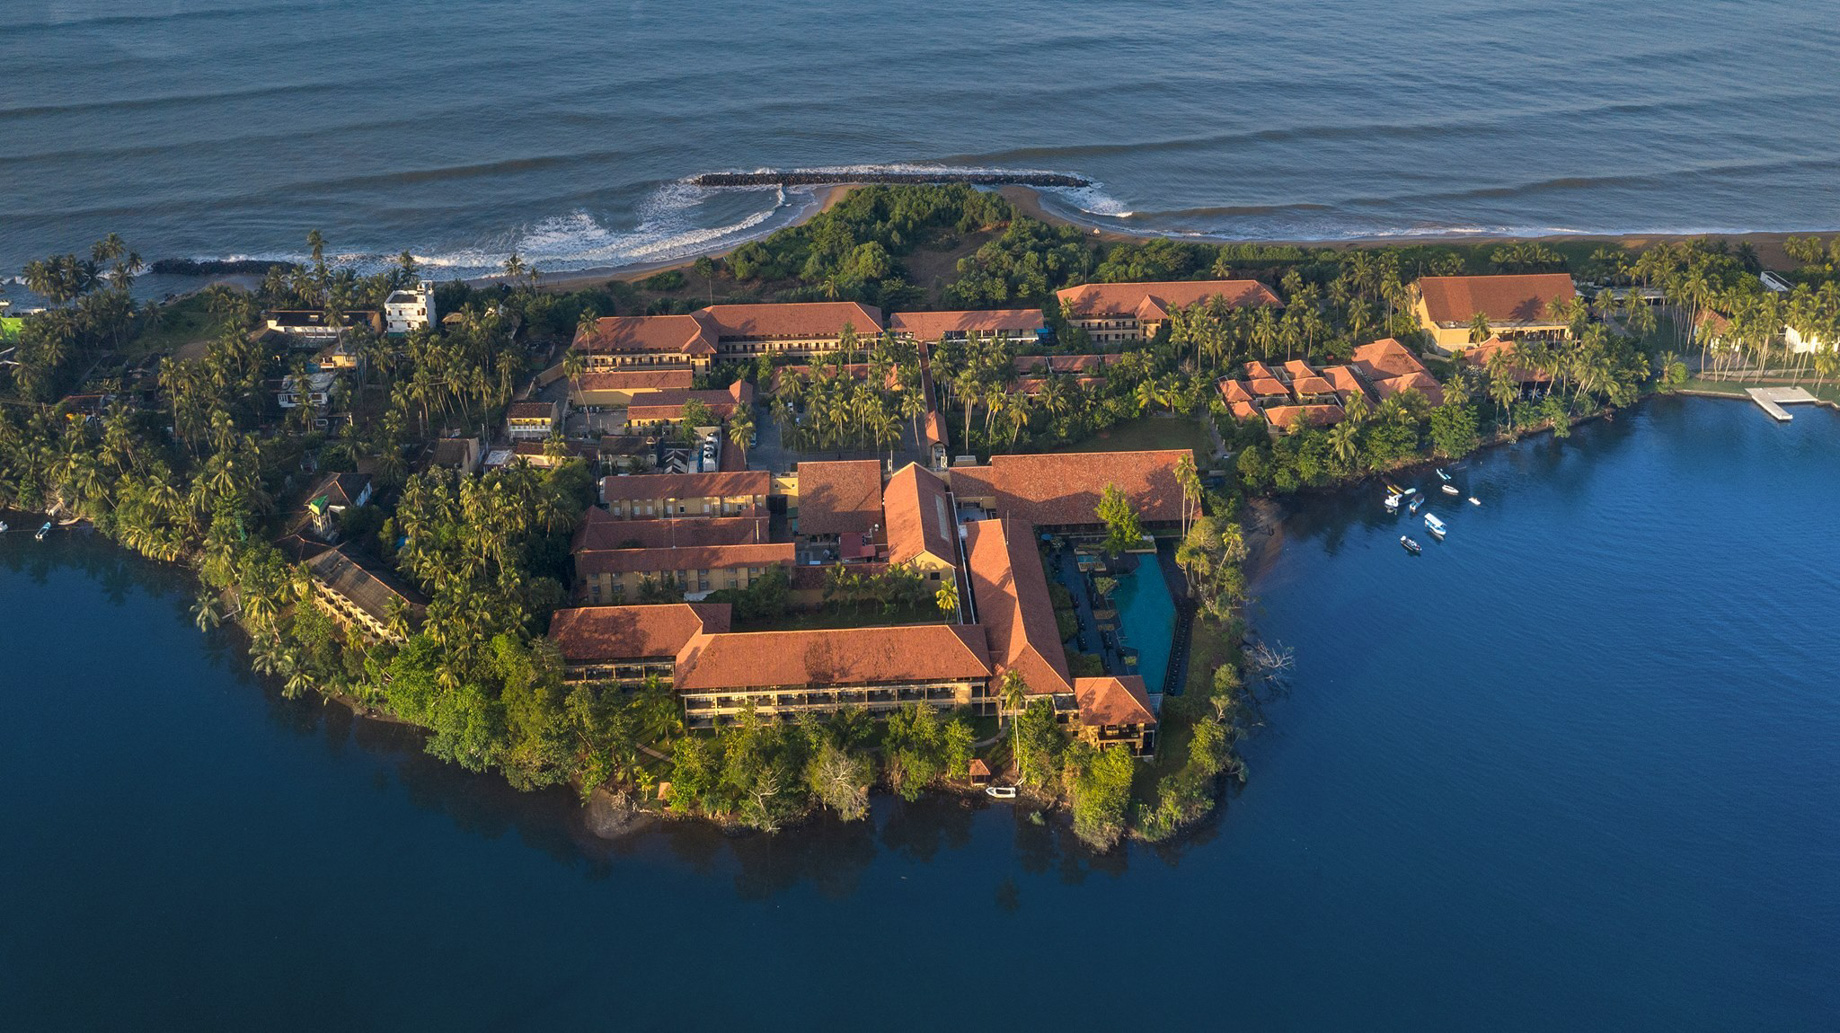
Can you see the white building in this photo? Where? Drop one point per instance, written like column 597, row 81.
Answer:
column 407, row 310
column 1799, row 342
column 314, row 390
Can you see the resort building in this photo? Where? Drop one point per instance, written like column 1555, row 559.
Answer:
column 1298, row 394
column 1483, row 356
column 601, row 531
column 1061, row 492
column 665, row 408
column 1124, row 312
column 532, row 420
column 1116, row 711
column 917, row 510
column 787, row 673
column 1018, row 326
column 630, row 645
column 409, row 309
column 619, row 387
column 624, row 342
column 616, row 575
column 1515, row 306
column 837, row 499
column 649, row 496
column 802, row 329
column 462, row 454
column 363, row 599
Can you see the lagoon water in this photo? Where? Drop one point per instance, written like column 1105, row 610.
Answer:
column 1574, row 769
column 461, row 128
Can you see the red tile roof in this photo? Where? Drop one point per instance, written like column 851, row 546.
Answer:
column 669, row 405
column 1282, row 416
column 806, row 319
column 589, row 633
column 637, row 380
column 1256, row 370
column 1267, row 387
column 935, row 428
column 1505, row 300
column 1011, row 592
column 838, row 656
column 1036, row 385
column 531, row 411
column 1343, row 379
column 1154, row 301
column 645, row 486
column 918, row 516
column 933, row 326
column 840, row 497
column 1113, row 701
column 653, row 335
column 601, row 530
column 1064, row 489
column 1386, row 358
column 1303, row 387
column 702, row 557
column 1233, row 391
column 1297, row 369
column 1424, row 383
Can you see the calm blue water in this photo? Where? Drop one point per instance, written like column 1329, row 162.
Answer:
column 1146, row 616
column 460, row 128
column 1574, row 769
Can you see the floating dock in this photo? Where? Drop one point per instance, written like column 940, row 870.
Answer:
column 1772, row 400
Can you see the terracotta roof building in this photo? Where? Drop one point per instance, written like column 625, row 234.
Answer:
column 532, row 419
column 599, row 530
column 623, row 386
column 785, row 673
column 839, row 497
column 624, row 341
column 646, row 496
column 921, row 527
column 1062, row 491
column 1515, row 306
column 1390, row 368
column 1021, row 325
column 628, row 644
column 1116, row 711
column 807, row 328
column 667, row 407
column 618, row 575
column 1011, row 592
column 1117, row 312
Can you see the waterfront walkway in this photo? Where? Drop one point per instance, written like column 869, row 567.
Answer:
column 1772, row 400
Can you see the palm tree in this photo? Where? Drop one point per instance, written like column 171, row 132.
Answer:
column 741, row 427
column 1013, row 692
column 207, row 613
column 1479, row 329
column 1344, row 442
column 947, row 598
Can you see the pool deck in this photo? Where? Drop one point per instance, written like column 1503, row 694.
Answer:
column 1063, row 563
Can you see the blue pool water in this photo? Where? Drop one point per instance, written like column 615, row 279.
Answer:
column 1146, row 619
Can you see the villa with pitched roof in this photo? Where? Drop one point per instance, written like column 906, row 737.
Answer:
column 361, row 596
column 1019, row 326
column 1122, row 312
column 1297, row 391
column 1061, row 492
column 1516, row 306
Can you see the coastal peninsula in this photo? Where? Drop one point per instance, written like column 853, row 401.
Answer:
column 923, row 494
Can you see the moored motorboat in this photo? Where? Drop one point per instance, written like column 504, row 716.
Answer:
column 1416, row 503
column 1451, row 489
column 1434, row 525
column 1442, row 476
column 43, row 531
column 1411, row 546
column 1474, row 501
column 3, row 527
column 1392, row 503
column 1001, row 792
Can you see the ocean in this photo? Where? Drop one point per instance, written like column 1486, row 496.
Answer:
column 462, row 129
column 1572, row 769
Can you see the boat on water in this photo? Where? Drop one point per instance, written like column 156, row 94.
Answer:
column 1442, row 476
column 1451, row 489
column 3, row 527
column 1474, row 501
column 43, row 531
column 1416, row 504
column 1434, row 525
column 1392, row 503
column 1411, row 546
column 1001, row 792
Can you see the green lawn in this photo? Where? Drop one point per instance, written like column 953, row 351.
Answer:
column 187, row 321
column 1148, row 433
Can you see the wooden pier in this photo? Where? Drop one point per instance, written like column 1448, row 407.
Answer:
column 1772, row 400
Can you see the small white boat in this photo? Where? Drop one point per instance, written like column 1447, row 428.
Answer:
column 1409, row 491
column 1474, row 501
column 1001, row 792
column 1451, row 489
column 1434, row 525
column 1442, row 476
column 1392, row 503
column 3, row 527
column 43, row 531
column 1411, row 546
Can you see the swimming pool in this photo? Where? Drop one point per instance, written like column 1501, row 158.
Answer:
column 1146, row 619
